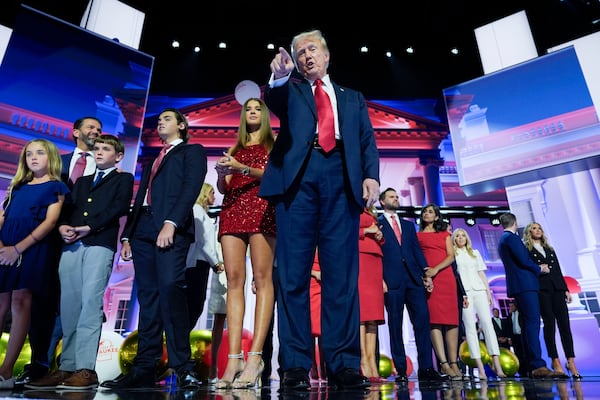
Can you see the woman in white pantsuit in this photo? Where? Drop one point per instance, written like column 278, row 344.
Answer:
column 472, row 273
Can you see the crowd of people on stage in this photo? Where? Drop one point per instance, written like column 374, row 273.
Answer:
column 327, row 250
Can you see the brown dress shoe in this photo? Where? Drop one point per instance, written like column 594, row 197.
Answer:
column 542, row 373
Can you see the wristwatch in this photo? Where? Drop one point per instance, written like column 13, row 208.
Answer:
column 246, row 171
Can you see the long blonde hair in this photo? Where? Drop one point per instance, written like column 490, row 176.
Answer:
column 468, row 245
column 202, row 199
column 25, row 175
column 529, row 240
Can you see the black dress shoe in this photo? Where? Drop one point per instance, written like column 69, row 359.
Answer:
column 188, row 380
column 431, row 375
column 130, row 380
column 295, row 379
column 349, row 378
column 401, row 379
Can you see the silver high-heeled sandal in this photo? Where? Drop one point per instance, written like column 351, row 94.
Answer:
column 223, row 384
column 249, row 384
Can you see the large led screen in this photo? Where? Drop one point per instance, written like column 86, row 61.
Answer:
column 54, row 72
column 536, row 118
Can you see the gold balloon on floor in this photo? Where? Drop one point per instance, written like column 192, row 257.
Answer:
column 200, row 340
column 465, row 355
column 24, row 355
column 385, row 366
column 509, row 362
column 128, row 351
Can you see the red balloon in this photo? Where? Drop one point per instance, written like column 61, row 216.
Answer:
column 409, row 366
column 224, row 350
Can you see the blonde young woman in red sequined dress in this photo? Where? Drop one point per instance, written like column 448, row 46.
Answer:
column 247, row 220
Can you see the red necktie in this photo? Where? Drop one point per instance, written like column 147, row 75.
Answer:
column 79, row 166
column 155, row 166
column 325, row 118
column 396, row 229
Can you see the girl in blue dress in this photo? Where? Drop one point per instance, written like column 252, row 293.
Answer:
column 30, row 211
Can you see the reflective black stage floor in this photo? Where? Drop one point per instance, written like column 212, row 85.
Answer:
column 588, row 388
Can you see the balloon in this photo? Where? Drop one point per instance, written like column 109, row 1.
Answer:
column 24, row 355
column 509, row 362
column 465, row 355
column 128, row 351
column 199, row 343
column 107, row 360
column 385, row 366
column 224, row 349
column 409, row 366
column 245, row 90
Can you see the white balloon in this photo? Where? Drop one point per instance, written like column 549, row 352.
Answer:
column 245, row 90
column 107, row 361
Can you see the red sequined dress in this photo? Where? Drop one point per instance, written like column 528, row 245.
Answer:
column 242, row 210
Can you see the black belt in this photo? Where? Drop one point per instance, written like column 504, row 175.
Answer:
column 338, row 144
column 147, row 209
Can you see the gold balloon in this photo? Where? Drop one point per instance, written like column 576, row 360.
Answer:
column 465, row 355
column 128, row 351
column 385, row 366
column 200, row 340
column 24, row 355
column 509, row 362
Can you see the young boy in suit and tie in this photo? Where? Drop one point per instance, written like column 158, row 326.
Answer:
column 89, row 228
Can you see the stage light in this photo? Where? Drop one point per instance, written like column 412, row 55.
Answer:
column 222, row 45
column 388, row 54
column 470, row 221
column 364, row 49
column 495, row 221
column 197, row 49
column 410, row 50
column 270, row 46
column 175, row 44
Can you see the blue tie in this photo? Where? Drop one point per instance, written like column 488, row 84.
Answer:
column 98, row 177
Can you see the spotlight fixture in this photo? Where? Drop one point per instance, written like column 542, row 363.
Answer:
column 454, row 51
column 364, row 49
column 388, row 54
column 495, row 221
column 197, row 49
column 270, row 46
column 470, row 221
column 222, row 45
column 175, row 44
column 410, row 50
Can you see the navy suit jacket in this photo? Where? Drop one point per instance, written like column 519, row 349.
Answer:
column 294, row 103
column 394, row 255
column 521, row 272
column 175, row 189
column 100, row 207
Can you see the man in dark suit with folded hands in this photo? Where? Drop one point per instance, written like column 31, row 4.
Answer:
column 406, row 285
column 319, row 189
column 157, row 236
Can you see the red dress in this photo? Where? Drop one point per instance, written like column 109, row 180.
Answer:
column 370, row 273
column 443, row 299
column 242, row 210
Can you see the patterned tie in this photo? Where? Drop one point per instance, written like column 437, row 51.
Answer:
column 396, row 229
column 325, row 118
column 98, row 177
column 79, row 167
column 155, row 166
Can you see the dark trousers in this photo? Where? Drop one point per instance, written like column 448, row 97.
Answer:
column 197, row 283
column 554, row 312
column 162, row 296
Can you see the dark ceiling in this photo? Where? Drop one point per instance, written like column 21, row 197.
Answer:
column 432, row 27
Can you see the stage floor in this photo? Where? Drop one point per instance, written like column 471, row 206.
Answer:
column 511, row 389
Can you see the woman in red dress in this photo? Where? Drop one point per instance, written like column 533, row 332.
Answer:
column 370, row 291
column 247, row 220
column 435, row 241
